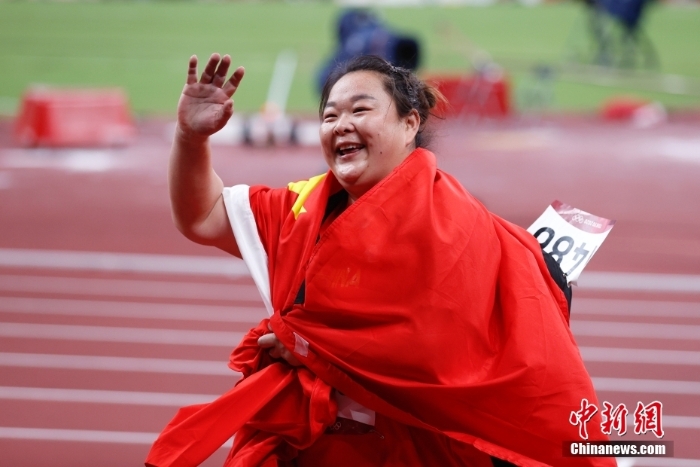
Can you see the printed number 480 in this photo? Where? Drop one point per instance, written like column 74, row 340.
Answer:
column 562, row 247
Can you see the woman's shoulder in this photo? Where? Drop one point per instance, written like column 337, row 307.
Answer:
column 458, row 193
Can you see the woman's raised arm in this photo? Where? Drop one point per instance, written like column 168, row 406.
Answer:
column 195, row 189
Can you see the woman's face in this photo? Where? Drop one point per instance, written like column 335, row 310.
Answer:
column 362, row 135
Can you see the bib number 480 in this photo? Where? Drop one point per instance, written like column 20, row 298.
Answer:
column 561, row 247
column 570, row 235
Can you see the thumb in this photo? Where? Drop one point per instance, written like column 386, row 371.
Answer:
column 227, row 110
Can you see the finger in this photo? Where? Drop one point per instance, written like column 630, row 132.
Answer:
column 192, row 70
column 233, row 82
column 221, row 71
column 227, row 110
column 278, row 351
column 268, row 340
column 290, row 358
column 210, row 69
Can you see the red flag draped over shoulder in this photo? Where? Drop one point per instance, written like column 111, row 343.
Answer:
column 425, row 307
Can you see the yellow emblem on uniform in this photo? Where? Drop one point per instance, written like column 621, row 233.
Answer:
column 304, row 189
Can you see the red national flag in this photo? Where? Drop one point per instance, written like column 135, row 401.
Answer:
column 423, row 306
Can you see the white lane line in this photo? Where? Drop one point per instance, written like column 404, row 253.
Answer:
column 672, row 421
column 647, row 386
column 641, row 282
column 92, row 436
column 179, row 399
column 645, row 330
column 654, row 356
column 229, row 339
column 677, row 421
column 217, row 266
column 662, row 462
column 104, row 397
column 608, row 307
column 107, row 363
column 112, row 309
column 117, row 334
column 123, row 262
column 127, row 288
column 85, row 436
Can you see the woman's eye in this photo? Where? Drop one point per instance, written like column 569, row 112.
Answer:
column 328, row 117
column 360, row 109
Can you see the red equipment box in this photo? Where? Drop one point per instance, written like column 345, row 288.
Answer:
column 482, row 95
column 622, row 107
column 74, row 117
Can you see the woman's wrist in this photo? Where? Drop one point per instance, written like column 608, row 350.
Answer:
column 189, row 138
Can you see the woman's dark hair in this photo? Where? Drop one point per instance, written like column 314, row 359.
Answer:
column 406, row 90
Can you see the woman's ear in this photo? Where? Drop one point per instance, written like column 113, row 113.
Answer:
column 412, row 125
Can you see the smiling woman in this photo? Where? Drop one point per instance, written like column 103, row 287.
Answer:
column 408, row 325
column 362, row 135
column 373, row 115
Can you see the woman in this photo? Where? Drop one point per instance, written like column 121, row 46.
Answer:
column 409, row 326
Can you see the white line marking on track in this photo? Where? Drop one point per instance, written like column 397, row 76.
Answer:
column 87, row 436
column 123, row 262
column 677, row 421
column 126, row 364
column 103, row 396
column 673, row 421
column 646, row 330
column 116, row 334
column 98, row 308
column 222, row 266
column 642, row 282
column 646, row 385
column 665, row 462
column 179, row 399
column 127, row 288
column 654, row 356
column 93, row 436
column 608, row 307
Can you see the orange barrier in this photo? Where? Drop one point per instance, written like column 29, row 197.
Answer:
column 74, row 117
column 477, row 95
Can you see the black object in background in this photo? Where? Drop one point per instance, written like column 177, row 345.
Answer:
column 361, row 32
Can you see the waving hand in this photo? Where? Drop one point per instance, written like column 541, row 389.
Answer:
column 205, row 104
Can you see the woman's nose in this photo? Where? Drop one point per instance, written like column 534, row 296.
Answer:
column 342, row 125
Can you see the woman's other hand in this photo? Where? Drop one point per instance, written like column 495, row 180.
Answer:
column 277, row 350
column 205, row 104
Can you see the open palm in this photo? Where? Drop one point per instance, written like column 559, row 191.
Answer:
column 205, row 104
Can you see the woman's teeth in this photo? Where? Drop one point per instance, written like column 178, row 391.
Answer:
column 348, row 149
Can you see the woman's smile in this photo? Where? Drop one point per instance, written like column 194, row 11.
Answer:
column 346, row 151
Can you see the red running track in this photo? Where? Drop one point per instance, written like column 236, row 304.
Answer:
column 100, row 341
